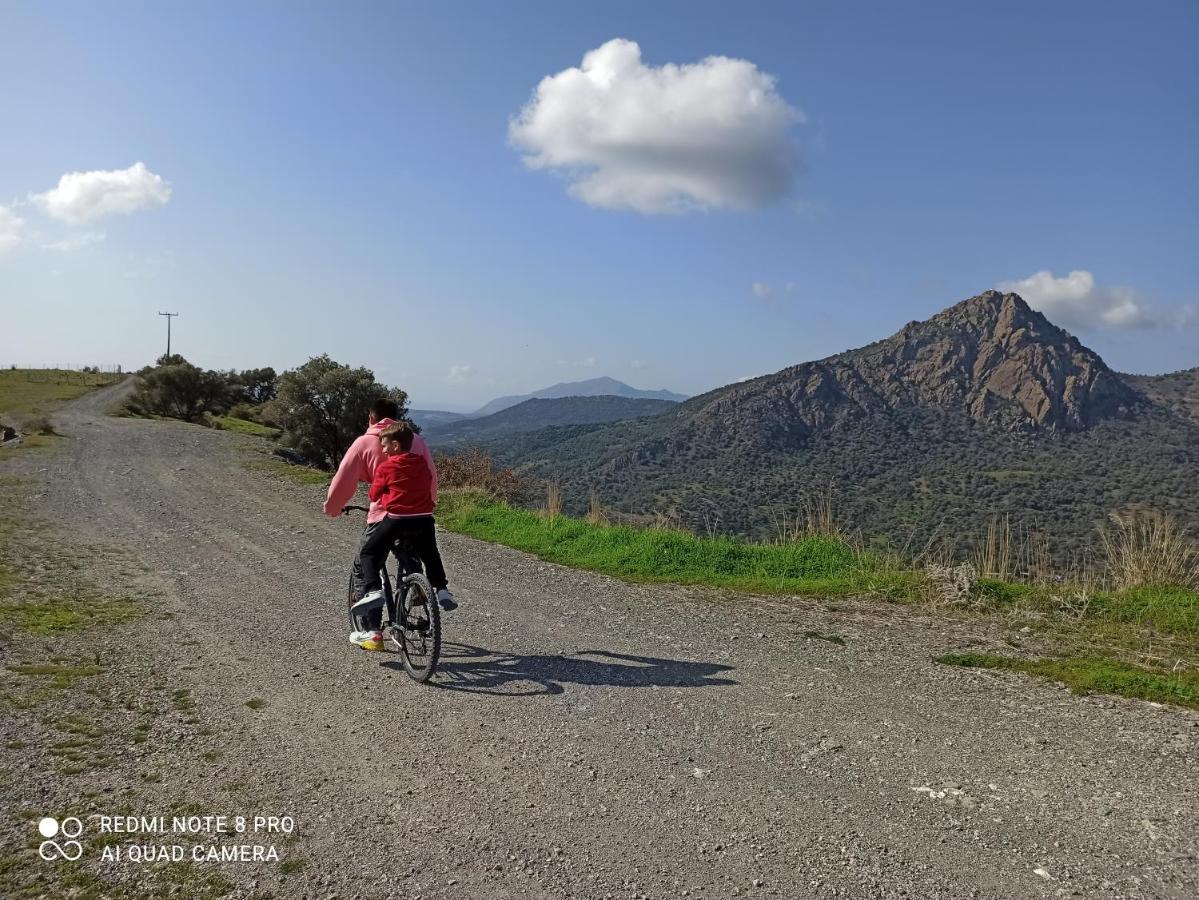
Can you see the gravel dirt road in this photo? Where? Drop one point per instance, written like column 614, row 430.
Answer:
column 584, row 737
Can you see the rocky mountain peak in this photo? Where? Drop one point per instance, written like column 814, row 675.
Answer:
column 991, row 356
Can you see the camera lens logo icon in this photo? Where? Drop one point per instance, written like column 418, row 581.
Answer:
column 70, row 850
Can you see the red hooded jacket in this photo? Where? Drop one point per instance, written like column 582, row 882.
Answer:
column 403, row 486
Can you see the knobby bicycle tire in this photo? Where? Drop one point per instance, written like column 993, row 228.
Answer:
column 420, row 647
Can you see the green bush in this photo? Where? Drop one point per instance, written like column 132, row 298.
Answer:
column 180, row 390
column 322, row 407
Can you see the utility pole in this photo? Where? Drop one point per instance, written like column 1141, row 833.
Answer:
column 169, row 317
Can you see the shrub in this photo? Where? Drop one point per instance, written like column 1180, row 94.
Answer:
column 474, row 470
column 322, row 407
column 38, row 425
column 181, row 391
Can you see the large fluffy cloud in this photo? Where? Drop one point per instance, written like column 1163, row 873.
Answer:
column 1076, row 301
column 84, row 196
column 10, row 229
column 706, row 135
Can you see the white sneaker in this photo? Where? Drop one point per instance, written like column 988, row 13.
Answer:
column 367, row 640
column 446, row 600
column 373, row 600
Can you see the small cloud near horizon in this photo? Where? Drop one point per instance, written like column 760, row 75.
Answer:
column 659, row 140
column 764, row 290
column 84, row 196
column 459, row 374
column 1076, row 301
column 11, row 229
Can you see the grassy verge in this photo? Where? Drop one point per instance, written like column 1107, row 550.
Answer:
column 1142, row 642
column 28, row 396
column 821, row 566
column 1086, row 675
column 71, row 708
column 36, row 392
column 277, row 468
column 242, row 426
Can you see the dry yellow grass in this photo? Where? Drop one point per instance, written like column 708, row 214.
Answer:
column 1149, row 549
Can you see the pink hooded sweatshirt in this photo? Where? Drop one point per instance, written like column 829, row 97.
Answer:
column 359, row 464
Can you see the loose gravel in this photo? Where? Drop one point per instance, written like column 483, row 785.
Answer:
column 584, row 737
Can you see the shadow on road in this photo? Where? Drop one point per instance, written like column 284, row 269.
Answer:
column 479, row 671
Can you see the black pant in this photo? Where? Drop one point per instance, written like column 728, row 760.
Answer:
column 420, row 534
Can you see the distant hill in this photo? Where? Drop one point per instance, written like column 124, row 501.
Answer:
column 428, row 418
column 534, row 414
column 1179, row 390
column 986, row 409
column 594, row 387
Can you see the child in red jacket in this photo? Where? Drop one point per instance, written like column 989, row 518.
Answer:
column 403, row 488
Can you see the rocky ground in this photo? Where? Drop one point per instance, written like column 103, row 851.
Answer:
column 584, row 737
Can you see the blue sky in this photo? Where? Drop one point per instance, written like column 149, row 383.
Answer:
column 342, row 179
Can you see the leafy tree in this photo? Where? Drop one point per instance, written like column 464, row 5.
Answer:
column 173, row 360
column 255, row 385
column 181, row 391
column 322, row 407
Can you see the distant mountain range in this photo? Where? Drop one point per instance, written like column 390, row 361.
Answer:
column 986, row 409
column 531, row 415
column 593, row 387
column 430, row 418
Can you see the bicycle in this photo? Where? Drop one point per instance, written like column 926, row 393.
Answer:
column 413, row 626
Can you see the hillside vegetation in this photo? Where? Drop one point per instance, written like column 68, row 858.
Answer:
column 531, row 415
column 985, row 411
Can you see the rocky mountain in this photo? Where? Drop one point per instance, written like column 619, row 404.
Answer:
column 531, row 415
column 986, row 409
column 593, row 387
column 990, row 357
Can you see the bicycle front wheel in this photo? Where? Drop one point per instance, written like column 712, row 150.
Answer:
column 418, row 633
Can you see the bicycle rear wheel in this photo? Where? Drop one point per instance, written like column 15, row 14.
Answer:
column 417, row 635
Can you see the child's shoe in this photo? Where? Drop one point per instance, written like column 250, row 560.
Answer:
column 446, row 600
column 367, row 640
column 373, row 600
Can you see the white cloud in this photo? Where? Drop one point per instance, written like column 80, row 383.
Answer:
column 639, row 364
column 84, row 196
column 11, row 226
column 75, row 243
column 1076, row 301
column 761, row 289
column 588, row 363
column 459, row 374
column 675, row 138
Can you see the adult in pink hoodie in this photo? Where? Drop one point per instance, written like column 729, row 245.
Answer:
column 358, row 465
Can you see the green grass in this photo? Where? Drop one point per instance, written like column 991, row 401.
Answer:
column 242, row 426
column 823, row 566
column 1174, row 610
column 34, row 392
column 62, row 676
column 295, row 474
column 1085, row 675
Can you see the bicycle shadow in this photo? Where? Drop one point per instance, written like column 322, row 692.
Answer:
column 479, row 671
